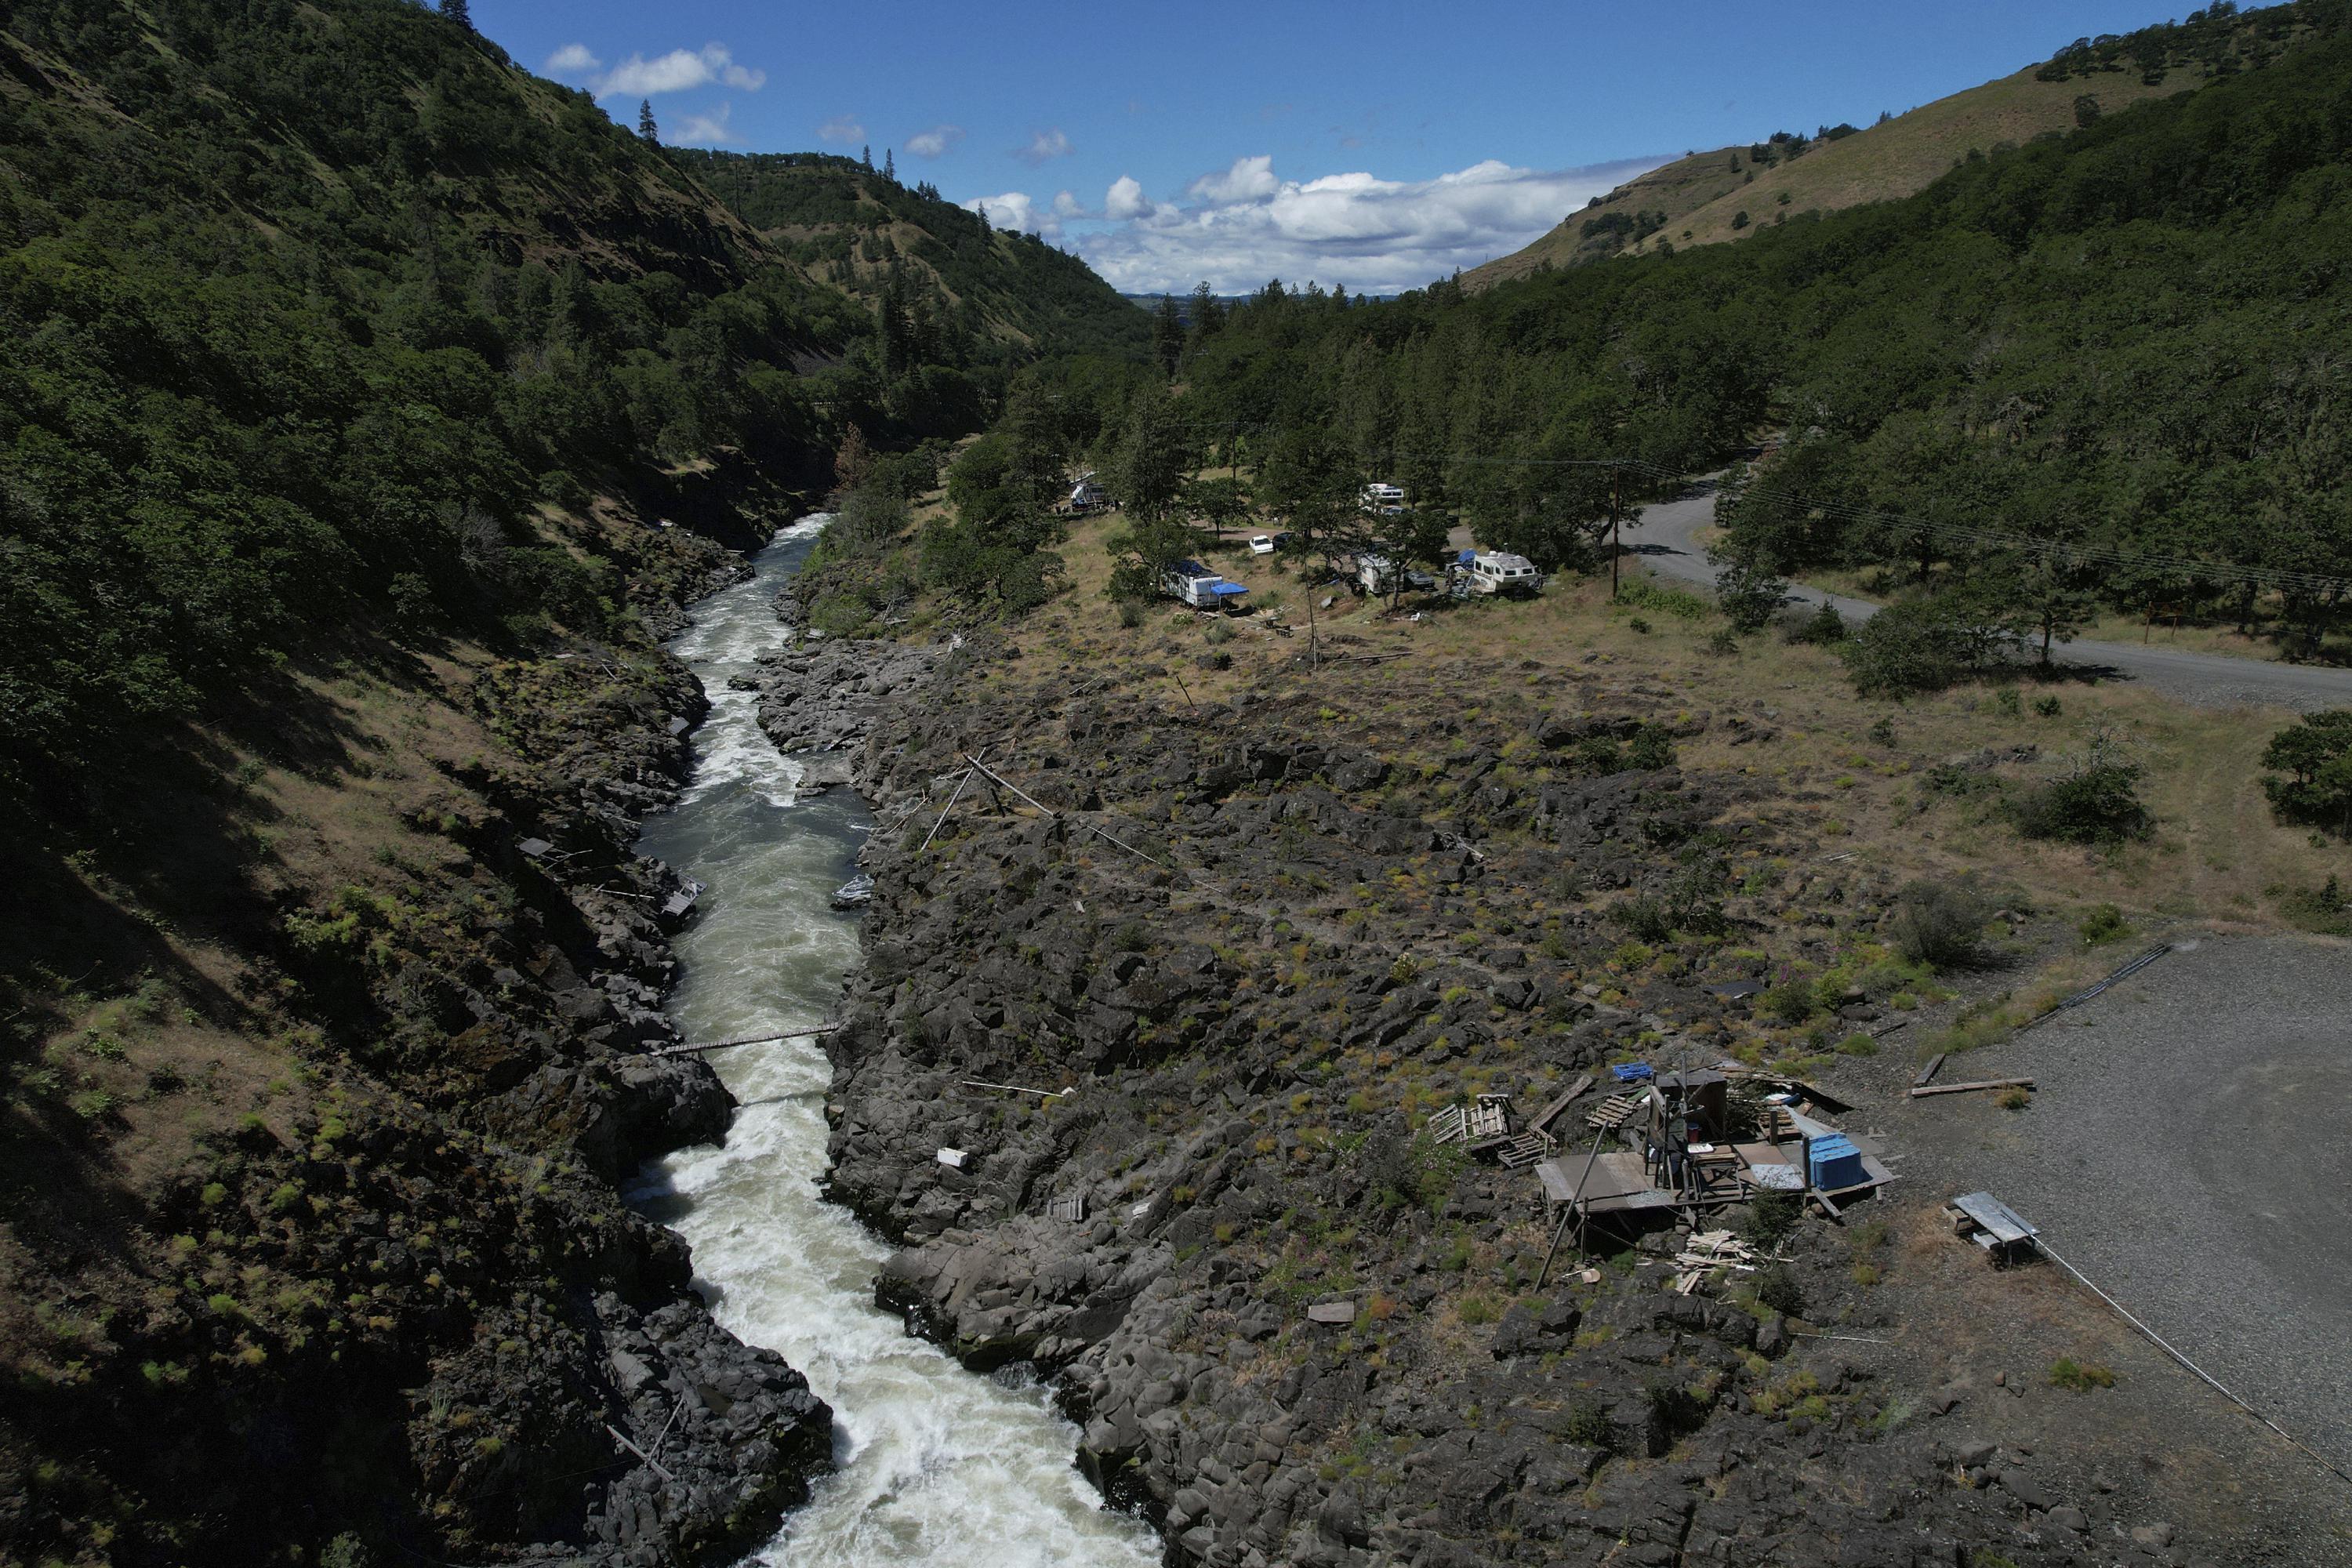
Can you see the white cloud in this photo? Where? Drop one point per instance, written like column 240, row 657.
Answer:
column 841, row 128
column 571, row 59
column 1372, row 235
column 934, row 143
column 1248, row 180
column 1068, row 205
column 1044, row 146
column 1013, row 209
column 679, row 70
column 702, row 129
column 1124, row 199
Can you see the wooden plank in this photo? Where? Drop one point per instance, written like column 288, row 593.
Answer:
column 1927, row 1073
column 1555, row 1182
column 1968, row 1088
column 1550, row 1113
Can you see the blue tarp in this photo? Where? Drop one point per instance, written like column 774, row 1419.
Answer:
column 1634, row 1072
column 1223, row 588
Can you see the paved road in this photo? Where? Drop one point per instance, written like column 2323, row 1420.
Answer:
column 2186, row 1150
column 1666, row 541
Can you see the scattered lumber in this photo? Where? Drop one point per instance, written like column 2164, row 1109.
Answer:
column 1921, row 1091
column 1550, row 1113
column 1928, row 1072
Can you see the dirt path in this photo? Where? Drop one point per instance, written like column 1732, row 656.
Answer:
column 1666, row 541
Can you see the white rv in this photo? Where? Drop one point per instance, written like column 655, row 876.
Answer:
column 1190, row 583
column 1379, row 498
column 1088, row 496
column 1498, row 572
column 1378, row 574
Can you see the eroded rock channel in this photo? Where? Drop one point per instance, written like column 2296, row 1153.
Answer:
column 933, row 1462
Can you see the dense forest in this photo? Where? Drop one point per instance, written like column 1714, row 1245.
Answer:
column 320, row 312
column 2110, row 364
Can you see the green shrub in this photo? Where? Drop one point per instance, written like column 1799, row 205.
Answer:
column 2096, row 803
column 2310, row 772
column 1940, row 921
column 1791, row 1002
column 1772, row 1215
column 1650, row 748
column 1823, row 628
column 1588, row 1423
column 1924, row 644
column 1777, row 1288
column 2103, row 924
column 1748, row 594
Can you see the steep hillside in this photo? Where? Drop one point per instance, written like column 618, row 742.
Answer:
column 989, row 292
column 351, row 370
column 1708, row 197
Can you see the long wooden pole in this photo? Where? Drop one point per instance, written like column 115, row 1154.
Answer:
column 934, row 832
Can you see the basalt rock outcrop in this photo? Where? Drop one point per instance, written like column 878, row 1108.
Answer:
column 1217, row 970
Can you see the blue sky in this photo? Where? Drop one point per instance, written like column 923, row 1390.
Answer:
column 1375, row 144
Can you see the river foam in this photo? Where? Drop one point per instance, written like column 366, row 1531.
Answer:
column 936, row 1465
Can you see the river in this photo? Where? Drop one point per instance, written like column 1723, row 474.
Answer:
column 936, row 1465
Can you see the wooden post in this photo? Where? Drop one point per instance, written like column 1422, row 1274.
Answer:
column 1613, row 545
column 960, row 783
column 1555, row 1235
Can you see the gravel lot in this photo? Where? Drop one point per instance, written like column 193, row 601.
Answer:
column 2189, row 1150
column 1666, row 541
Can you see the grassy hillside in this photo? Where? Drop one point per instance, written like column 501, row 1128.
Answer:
column 1709, row 197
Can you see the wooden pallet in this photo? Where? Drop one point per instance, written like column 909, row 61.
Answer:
column 1614, row 1112
column 1526, row 1149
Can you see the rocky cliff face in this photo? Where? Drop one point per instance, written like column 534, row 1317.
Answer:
column 1312, row 930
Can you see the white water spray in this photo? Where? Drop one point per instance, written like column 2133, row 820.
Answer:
column 936, row 1465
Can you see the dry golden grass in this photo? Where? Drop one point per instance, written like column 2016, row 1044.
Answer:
column 1702, row 196
column 2216, row 854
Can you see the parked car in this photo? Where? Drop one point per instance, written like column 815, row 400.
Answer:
column 1261, row 544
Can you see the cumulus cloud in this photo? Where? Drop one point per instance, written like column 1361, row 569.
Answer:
column 1068, row 206
column 841, row 128
column 571, row 59
column 1248, row 180
column 678, row 71
column 1013, row 209
column 1044, row 146
column 1244, row 225
column 935, row 143
column 702, row 129
column 1124, row 199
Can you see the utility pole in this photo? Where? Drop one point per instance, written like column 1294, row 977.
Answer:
column 1613, row 474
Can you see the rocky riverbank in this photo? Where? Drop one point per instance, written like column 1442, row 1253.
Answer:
column 1329, row 909
column 379, row 1298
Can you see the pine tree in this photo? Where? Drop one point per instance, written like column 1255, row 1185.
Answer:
column 456, row 11
column 889, row 165
column 645, row 127
column 866, row 151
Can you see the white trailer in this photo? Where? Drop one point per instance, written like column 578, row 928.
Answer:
column 1190, row 583
column 1499, row 572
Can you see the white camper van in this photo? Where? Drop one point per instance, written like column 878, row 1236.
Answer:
column 1498, row 572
